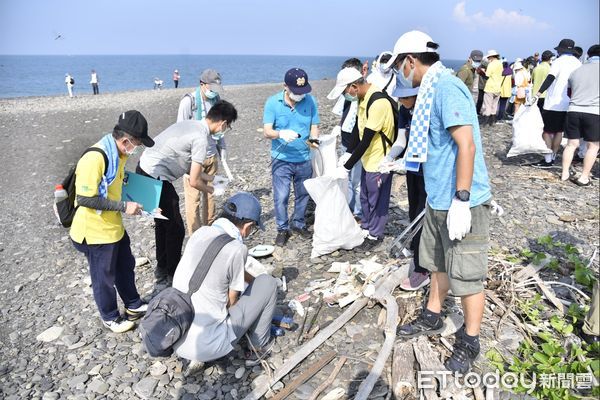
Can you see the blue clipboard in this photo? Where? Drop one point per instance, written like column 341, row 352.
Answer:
column 141, row 189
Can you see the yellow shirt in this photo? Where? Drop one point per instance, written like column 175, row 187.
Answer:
column 381, row 119
column 506, row 89
column 494, row 74
column 92, row 225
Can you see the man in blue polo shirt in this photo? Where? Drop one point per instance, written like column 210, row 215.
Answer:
column 290, row 119
column 455, row 237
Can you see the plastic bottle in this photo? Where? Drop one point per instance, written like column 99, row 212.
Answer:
column 59, row 194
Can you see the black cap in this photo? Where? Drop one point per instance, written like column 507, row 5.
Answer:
column 577, row 51
column 565, row 45
column 296, row 80
column 547, row 55
column 476, row 55
column 594, row 51
column 133, row 123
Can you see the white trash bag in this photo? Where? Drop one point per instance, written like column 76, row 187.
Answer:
column 335, row 227
column 324, row 158
column 528, row 127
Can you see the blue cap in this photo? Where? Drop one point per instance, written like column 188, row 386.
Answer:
column 297, row 81
column 401, row 91
column 244, row 205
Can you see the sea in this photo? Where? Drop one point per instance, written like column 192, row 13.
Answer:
column 23, row 76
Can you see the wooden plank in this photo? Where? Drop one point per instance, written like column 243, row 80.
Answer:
column 530, row 270
column 403, row 383
column 549, row 293
column 305, row 375
column 329, row 380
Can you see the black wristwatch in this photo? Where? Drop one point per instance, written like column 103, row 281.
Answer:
column 462, row 195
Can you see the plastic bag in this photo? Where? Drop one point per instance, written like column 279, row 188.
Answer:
column 324, row 158
column 528, row 127
column 335, row 227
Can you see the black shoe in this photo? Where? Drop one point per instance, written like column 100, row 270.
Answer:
column 420, row 326
column 304, row 232
column 463, row 354
column 282, row 238
column 577, row 159
column 369, row 244
column 543, row 164
column 492, row 120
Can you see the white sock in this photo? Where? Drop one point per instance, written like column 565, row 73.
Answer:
column 553, row 156
column 548, row 157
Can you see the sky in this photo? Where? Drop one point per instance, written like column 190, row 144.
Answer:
column 515, row 28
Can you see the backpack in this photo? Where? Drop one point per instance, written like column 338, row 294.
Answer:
column 72, row 81
column 171, row 312
column 385, row 141
column 65, row 209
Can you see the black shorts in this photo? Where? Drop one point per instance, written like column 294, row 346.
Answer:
column 583, row 125
column 554, row 121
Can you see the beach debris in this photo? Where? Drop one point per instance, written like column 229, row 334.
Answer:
column 336, row 393
column 139, row 261
column 50, row 334
column 297, row 307
column 403, row 370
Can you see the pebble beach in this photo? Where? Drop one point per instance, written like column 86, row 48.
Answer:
column 52, row 344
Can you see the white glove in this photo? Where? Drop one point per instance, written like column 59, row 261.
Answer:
column 340, row 173
column 385, row 166
column 496, row 209
column 288, row 135
column 459, row 219
column 532, row 101
column 336, row 131
column 219, row 185
column 343, row 159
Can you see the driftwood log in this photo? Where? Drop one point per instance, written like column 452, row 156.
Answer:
column 404, row 384
column 305, row 375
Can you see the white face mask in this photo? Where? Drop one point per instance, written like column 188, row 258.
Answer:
column 134, row 151
column 296, row 97
column 405, row 81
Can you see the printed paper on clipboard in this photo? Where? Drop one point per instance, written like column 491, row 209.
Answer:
column 143, row 190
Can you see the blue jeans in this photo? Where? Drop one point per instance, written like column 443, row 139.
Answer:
column 283, row 173
column 111, row 270
column 354, row 188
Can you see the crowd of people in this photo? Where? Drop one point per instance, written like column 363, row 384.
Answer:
column 408, row 113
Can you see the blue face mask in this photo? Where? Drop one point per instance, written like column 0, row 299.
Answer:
column 403, row 81
column 210, row 94
column 475, row 64
column 350, row 98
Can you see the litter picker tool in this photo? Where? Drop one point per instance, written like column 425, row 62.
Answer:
column 401, row 243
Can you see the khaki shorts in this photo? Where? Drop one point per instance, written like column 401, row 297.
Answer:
column 465, row 261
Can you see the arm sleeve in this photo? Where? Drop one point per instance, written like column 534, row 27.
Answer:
column 100, row 203
column 185, row 109
column 269, row 114
column 236, row 269
column 359, row 151
column 547, row 82
column 354, row 139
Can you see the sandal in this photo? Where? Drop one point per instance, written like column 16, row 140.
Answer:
column 579, row 183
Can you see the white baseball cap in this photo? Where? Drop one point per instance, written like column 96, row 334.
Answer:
column 492, row 53
column 345, row 77
column 412, row 42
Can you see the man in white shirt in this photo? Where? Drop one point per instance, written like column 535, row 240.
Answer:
column 94, row 82
column 557, row 101
column 195, row 105
column 69, row 81
column 224, row 311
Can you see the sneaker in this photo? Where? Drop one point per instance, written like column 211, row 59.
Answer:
column 415, row 281
column 420, row 326
column 463, row 354
column 543, row 164
column 133, row 314
column 282, row 238
column 119, row 325
column 369, row 244
column 304, row 232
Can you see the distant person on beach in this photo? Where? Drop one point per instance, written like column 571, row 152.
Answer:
column 557, row 100
column 505, row 91
column 347, row 110
column 176, row 78
column 97, row 229
column 369, row 144
column 583, row 116
column 522, row 82
column 223, row 310
column 180, row 149
column 291, row 118
column 94, row 81
column 447, row 142
column 157, row 83
column 467, row 73
column 69, row 81
column 538, row 76
column 491, row 95
column 195, row 105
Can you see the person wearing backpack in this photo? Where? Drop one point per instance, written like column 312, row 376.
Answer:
column 223, row 310
column 377, row 118
column 97, row 229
